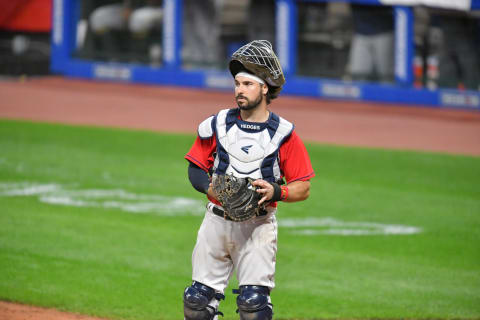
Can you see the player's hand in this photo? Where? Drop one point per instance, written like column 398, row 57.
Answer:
column 211, row 192
column 265, row 189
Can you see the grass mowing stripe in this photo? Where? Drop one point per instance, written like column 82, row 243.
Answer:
column 108, row 262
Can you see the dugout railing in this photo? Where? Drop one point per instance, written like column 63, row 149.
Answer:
column 66, row 14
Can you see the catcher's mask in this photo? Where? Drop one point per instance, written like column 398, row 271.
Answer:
column 258, row 58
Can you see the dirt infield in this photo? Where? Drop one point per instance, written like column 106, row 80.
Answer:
column 166, row 109
column 55, row 99
column 14, row 311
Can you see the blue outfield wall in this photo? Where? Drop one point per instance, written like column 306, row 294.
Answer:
column 300, row 86
column 170, row 73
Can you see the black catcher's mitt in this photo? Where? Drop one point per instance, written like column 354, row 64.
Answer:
column 237, row 196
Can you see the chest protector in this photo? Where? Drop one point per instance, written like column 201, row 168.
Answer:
column 246, row 149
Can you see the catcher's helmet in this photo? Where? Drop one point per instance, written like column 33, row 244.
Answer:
column 257, row 57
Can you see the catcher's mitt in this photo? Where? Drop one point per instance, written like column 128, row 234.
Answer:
column 237, row 196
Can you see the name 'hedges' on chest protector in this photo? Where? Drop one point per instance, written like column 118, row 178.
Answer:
column 247, row 149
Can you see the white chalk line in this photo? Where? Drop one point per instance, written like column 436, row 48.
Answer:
column 330, row 226
column 57, row 194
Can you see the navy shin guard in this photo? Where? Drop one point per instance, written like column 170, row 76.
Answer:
column 196, row 302
column 253, row 303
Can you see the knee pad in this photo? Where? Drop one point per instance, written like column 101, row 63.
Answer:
column 197, row 300
column 254, row 304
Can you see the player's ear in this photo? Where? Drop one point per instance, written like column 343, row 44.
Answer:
column 264, row 89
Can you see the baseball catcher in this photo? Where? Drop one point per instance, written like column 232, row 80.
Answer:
column 246, row 160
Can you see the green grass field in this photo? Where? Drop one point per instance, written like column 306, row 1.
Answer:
column 103, row 222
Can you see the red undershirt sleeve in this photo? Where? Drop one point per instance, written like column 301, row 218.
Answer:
column 201, row 153
column 294, row 160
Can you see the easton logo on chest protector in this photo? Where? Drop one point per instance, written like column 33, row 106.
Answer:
column 246, row 148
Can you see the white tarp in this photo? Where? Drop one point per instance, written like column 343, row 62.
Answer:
column 447, row 4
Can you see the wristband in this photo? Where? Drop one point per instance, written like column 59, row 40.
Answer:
column 277, row 192
column 284, row 193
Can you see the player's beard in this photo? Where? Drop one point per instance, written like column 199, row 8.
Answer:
column 250, row 104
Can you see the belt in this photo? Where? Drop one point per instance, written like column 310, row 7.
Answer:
column 221, row 213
